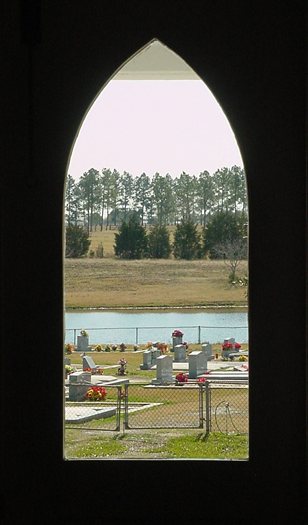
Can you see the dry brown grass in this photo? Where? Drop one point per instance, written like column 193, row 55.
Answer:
column 112, row 283
column 106, row 237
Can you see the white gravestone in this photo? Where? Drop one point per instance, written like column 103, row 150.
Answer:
column 163, row 370
column 147, row 360
column 180, row 354
column 79, row 382
column 197, row 364
column 207, row 349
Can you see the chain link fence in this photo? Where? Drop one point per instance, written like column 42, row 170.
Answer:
column 213, row 406
column 143, row 334
column 229, row 407
column 164, row 406
column 94, row 415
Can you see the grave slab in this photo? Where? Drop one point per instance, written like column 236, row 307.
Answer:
column 80, row 414
column 197, row 364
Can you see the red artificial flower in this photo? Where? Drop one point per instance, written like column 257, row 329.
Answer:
column 181, row 377
column 227, row 346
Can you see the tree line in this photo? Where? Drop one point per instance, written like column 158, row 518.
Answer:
column 224, row 237
column 107, row 198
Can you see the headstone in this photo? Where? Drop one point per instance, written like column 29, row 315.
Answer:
column 197, row 364
column 163, row 370
column 87, row 362
column 180, row 354
column 176, row 340
column 226, row 352
column 147, row 360
column 82, row 343
column 79, row 383
column 155, row 353
column 207, row 349
column 229, row 340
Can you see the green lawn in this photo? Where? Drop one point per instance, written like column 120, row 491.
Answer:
column 157, row 445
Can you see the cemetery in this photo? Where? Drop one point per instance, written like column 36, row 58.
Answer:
column 164, row 390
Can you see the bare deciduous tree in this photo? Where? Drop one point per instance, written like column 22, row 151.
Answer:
column 233, row 252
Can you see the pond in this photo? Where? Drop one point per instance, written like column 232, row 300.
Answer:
column 138, row 327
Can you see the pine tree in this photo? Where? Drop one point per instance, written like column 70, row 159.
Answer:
column 131, row 242
column 223, row 228
column 77, row 241
column 187, row 244
column 159, row 242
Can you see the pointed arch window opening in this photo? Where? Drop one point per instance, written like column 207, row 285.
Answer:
column 156, row 62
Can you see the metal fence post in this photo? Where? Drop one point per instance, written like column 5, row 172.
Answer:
column 136, row 335
column 201, row 418
column 125, row 423
column 199, row 334
column 207, row 407
column 118, row 423
column 74, row 336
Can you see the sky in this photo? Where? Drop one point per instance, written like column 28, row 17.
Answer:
column 164, row 126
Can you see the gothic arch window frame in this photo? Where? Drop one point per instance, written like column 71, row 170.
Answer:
column 271, row 141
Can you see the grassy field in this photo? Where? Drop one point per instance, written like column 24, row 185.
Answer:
column 112, row 283
column 156, row 445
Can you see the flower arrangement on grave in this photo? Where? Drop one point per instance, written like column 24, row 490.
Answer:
column 123, row 347
column 230, row 346
column 69, row 369
column 96, row 393
column 107, row 348
column 84, row 333
column 163, row 347
column 114, row 347
column 98, row 348
column 177, row 333
column 69, row 348
column 242, row 358
column 201, row 380
column 87, row 370
column 181, row 377
column 186, row 344
column 122, row 368
column 227, row 346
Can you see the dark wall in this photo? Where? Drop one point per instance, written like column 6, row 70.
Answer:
column 55, row 60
